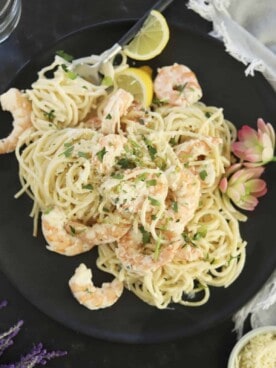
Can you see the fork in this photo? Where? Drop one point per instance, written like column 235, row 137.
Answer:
column 91, row 71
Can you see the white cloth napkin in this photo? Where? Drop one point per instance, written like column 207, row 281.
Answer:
column 248, row 31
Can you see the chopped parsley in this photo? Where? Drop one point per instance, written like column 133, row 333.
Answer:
column 64, row 55
column 151, row 149
column 154, row 201
column 107, row 81
column 202, row 232
column 69, row 149
column 175, row 206
column 187, row 239
column 151, row 183
column 180, row 87
column 141, row 177
column 126, row 163
column 50, row 115
column 173, row 141
column 145, row 235
column 48, row 210
column 87, row 186
column 70, row 74
column 100, row 154
column 117, row 176
column 108, row 117
column 72, row 230
column 83, row 154
column 203, row 174
column 156, row 101
column 157, row 249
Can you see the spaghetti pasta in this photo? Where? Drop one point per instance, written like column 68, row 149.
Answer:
column 145, row 191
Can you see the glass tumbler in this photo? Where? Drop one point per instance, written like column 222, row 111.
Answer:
column 10, row 11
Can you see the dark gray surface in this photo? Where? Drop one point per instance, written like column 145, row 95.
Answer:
column 42, row 23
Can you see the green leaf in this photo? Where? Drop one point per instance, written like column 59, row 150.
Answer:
column 156, row 101
column 50, row 115
column 70, row 74
column 151, row 183
column 108, row 117
column 83, row 154
column 87, row 186
column 187, row 239
column 117, row 176
column 107, row 81
column 175, row 206
column 72, row 230
column 100, row 154
column 126, row 163
column 203, row 174
column 151, row 149
column 145, row 235
column 154, row 201
column 157, row 249
column 68, row 152
column 48, row 210
column 180, row 87
column 202, row 232
column 141, row 177
column 64, row 55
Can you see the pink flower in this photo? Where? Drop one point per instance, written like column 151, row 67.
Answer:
column 243, row 186
column 256, row 147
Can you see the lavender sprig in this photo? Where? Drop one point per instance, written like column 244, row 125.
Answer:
column 38, row 355
column 3, row 304
column 6, row 338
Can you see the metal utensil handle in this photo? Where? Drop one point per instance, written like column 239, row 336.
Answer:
column 160, row 6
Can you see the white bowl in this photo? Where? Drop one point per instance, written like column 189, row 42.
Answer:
column 245, row 339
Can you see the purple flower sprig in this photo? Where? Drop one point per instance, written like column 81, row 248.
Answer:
column 3, row 304
column 38, row 355
column 6, row 338
column 254, row 149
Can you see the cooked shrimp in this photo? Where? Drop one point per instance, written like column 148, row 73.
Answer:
column 137, row 113
column 105, row 152
column 177, row 85
column 140, row 258
column 71, row 238
column 92, row 297
column 184, row 191
column 131, row 192
column 20, row 107
column 93, row 122
column 200, row 154
column 189, row 253
column 116, row 106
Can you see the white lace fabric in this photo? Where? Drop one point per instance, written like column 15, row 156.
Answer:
column 248, row 31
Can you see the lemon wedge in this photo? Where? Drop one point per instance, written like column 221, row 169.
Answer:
column 137, row 82
column 151, row 40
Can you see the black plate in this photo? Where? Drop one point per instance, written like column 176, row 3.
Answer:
column 42, row 276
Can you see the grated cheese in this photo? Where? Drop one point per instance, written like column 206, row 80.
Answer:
column 259, row 352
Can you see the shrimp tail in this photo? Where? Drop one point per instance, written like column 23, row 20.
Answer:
column 92, row 297
column 19, row 106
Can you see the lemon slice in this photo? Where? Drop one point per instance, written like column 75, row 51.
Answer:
column 137, row 82
column 151, row 40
